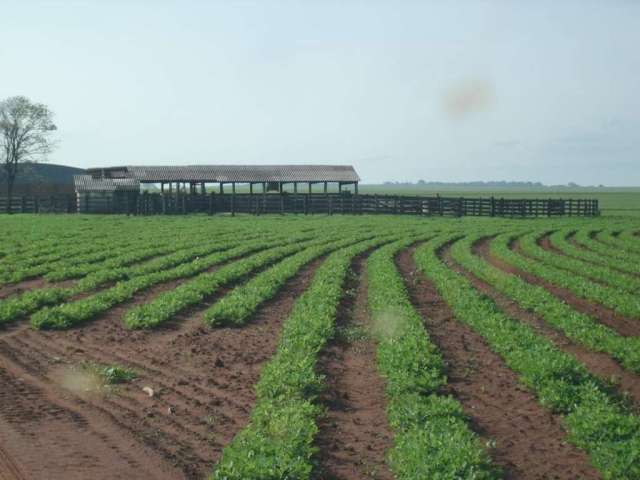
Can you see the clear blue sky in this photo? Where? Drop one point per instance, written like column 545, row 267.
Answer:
column 449, row 91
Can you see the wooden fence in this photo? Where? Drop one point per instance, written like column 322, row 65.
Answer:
column 40, row 204
column 315, row 203
column 257, row 204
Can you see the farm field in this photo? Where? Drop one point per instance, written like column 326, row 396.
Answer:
column 319, row 347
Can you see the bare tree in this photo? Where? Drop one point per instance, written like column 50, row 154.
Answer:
column 25, row 136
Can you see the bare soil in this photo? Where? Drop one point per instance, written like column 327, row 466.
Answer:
column 202, row 381
column 354, row 435
column 529, row 441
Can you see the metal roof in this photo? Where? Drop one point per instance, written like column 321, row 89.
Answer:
column 86, row 183
column 233, row 173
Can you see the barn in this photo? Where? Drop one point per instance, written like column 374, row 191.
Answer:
column 267, row 178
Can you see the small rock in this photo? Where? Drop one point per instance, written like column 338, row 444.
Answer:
column 170, row 411
column 148, row 390
column 219, row 363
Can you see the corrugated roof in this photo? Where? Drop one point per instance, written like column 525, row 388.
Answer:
column 236, row 173
column 86, row 183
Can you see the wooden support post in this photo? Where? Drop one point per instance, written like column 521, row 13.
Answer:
column 264, row 197
column 310, row 188
column 325, row 187
column 203, row 188
column 251, row 188
column 221, row 189
column 356, row 187
column 233, row 199
column 162, row 187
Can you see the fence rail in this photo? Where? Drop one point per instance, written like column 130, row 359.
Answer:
column 258, row 204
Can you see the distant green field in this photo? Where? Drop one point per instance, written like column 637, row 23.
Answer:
column 613, row 200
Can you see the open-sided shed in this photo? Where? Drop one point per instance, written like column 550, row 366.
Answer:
column 192, row 178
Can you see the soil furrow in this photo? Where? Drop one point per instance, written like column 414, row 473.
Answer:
column 206, row 376
column 529, row 442
column 622, row 325
column 600, row 364
column 354, row 435
column 36, row 419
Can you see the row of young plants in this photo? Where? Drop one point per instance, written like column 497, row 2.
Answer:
column 73, row 313
column 606, row 244
column 238, row 305
column 562, row 240
column 278, row 442
column 622, row 302
column 629, row 240
column 106, row 254
column 578, row 327
column 90, row 243
column 18, row 306
column 432, row 438
column 571, row 259
column 170, row 303
column 141, row 254
column 614, row 238
column 31, row 267
column 596, row 420
column 55, row 270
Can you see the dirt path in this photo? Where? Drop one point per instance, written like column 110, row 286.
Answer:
column 530, row 442
column 202, row 380
column 600, row 364
column 622, row 325
column 354, row 435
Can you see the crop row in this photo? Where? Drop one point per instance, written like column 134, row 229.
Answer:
column 622, row 302
column 237, row 306
column 69, row 314
column 596, row 421
column 432, row 438
column 598, row 273
column 168, row 304
column 18, row 306
column 278, row 441
column 608, row 246
column 577, row 326
column 560, row 240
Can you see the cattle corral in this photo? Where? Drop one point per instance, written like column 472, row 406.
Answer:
column 319, row 347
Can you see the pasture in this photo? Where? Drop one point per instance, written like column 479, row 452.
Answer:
column 306, row 347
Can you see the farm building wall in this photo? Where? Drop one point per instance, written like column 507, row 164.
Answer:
column 103, row 202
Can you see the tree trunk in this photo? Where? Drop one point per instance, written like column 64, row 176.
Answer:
column 10, row 182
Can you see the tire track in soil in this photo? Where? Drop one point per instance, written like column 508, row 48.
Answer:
column 598, row 363
column 52, row 440
column 9, row 470
column 624, row 326
column 530, row 442
column 205, row 376
column 353, row 436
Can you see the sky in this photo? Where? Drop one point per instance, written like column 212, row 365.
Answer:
column 441, row 91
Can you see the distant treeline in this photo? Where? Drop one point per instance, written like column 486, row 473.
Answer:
column 488, row 184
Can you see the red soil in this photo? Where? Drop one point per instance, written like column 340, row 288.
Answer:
column 203, row 393
column 530, row 442
column 354, row 435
